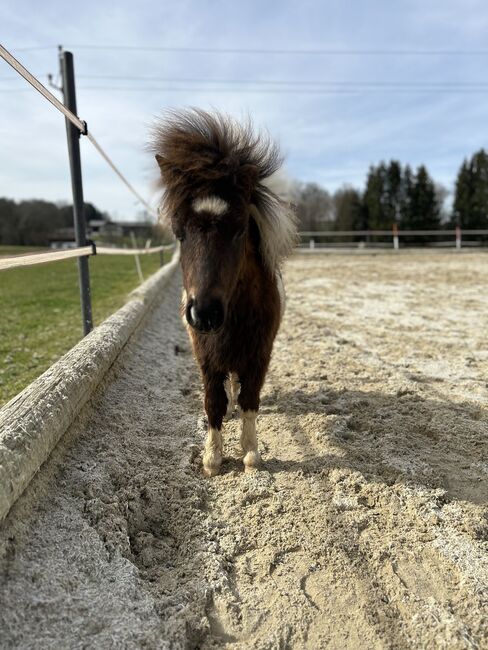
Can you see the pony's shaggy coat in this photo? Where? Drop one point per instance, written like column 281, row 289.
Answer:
column 235, row 233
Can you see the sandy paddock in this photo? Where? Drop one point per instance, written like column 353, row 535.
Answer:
column 366, row 527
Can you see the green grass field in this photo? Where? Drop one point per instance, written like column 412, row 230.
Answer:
column 40, row 310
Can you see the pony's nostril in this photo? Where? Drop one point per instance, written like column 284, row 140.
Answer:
column 205, row 317
column 190, row 313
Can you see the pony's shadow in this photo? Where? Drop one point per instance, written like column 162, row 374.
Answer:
column 387, row 437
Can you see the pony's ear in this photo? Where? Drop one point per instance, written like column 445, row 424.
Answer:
column 166, row 169
column 160, row 160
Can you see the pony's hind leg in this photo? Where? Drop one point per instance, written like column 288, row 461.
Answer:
column 215, row 407
column 232, row 388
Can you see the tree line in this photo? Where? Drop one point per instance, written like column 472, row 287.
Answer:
column 36, row 222
column 396, row 194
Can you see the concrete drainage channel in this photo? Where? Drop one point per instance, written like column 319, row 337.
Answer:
column 33, row 422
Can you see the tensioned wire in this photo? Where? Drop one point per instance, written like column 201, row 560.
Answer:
column 47, row 94
column 74, row 119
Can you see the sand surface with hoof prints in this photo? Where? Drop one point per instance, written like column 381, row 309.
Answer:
column 366, row 526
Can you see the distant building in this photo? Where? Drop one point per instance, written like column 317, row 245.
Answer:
column 139, row 228
column 65, row 237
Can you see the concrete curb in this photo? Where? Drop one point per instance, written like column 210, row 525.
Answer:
column 33, row 422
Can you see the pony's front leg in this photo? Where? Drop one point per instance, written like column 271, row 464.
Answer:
column 215, row 407
column 249, row 441
column 249, row 403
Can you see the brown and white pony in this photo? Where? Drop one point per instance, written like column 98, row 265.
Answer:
column 234, row 233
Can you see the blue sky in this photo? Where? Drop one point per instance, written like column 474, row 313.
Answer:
column 330, row 138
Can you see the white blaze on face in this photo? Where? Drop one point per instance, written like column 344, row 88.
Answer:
column 213, row 204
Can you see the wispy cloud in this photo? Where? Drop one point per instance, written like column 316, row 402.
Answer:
column 328, row 137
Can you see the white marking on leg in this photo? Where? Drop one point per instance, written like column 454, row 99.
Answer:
column 212, row 454
column 213, row 204
column 249, row 441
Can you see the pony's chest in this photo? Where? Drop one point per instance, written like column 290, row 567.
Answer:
column 247, row 330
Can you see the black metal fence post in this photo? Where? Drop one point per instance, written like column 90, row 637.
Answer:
column 73, row 134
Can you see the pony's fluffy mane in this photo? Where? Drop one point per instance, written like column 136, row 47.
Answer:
column 200, row 152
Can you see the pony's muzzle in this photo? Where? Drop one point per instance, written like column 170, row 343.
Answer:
column 205, row 315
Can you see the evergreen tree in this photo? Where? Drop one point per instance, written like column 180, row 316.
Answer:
column 348, row 211
column 470, row 209
column 393, row 193
column 396, row 195
column 383, row 196
column 373, row 198
column 462, row 196
column 406, row 204
column 421, row 209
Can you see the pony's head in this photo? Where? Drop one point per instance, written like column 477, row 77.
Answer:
column 212, row 170
column 212, row 228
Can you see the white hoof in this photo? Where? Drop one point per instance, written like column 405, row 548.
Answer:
column 212, row 460
column 251, row 461
column 209, row 471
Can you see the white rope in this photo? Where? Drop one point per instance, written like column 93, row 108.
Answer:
column 105, row 250
column 74, row 119
column 119, row 174
column 18, row 67
column 42, row 258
